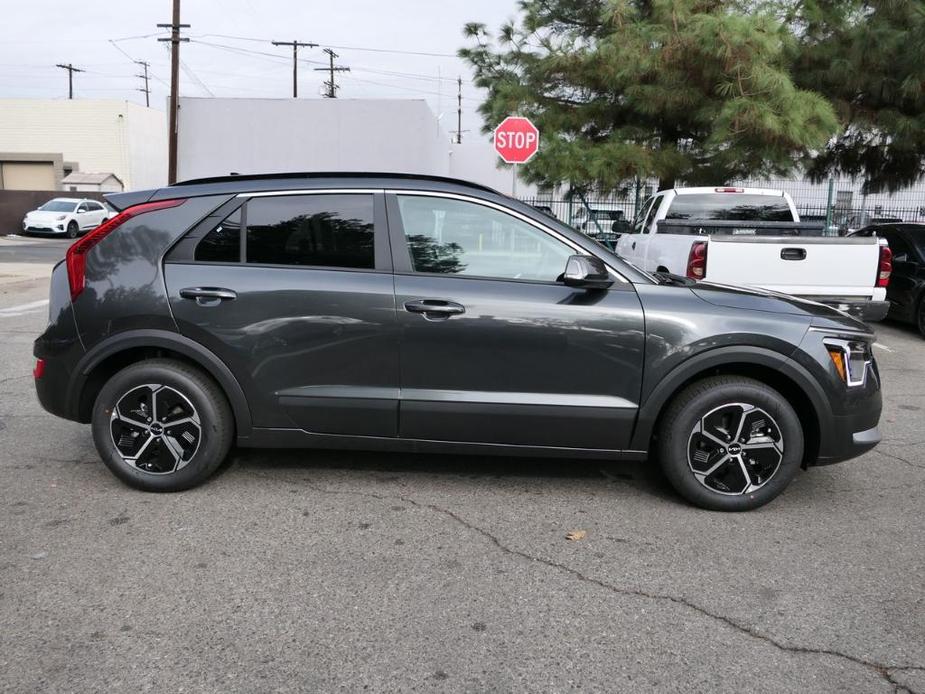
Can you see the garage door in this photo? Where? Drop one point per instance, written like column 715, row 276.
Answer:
column 32, row 175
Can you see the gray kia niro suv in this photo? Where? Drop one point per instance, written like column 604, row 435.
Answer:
column 414, row 313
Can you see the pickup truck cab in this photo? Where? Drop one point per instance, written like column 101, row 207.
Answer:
column 754, row 237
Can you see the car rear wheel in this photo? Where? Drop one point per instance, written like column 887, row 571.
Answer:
column 162, row 426
column 72, row 230
column 730, row 443
column 920, row 317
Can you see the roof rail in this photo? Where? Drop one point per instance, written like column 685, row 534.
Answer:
column 232, row 178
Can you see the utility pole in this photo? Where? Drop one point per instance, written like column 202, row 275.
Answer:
column 332, row 87
column 459, row 131
column 295, row 58
column 70, row 77
column 175, row 40
column 146, row 90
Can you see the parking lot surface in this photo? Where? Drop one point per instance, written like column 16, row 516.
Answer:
column 316, row 571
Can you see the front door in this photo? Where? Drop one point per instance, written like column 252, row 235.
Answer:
column 294, row 293
column 493, row 348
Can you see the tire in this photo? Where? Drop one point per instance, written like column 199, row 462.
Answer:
column 920, row 317
column 740, row 474
column 162, row 456
column 72, row 230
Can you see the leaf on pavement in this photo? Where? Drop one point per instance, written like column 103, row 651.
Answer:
column 576, row 535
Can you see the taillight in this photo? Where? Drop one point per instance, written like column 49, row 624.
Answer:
column 39, row 370
column 76, row 257
column 885, row 267
column 697, row 260
column 729, row 190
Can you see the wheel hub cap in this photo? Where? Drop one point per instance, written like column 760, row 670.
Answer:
column 155, row 428
column 735, row 449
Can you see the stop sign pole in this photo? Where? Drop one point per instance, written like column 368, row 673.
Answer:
column 516, row 140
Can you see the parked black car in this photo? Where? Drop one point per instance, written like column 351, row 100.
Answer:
column 411, row 313
column 906, row 291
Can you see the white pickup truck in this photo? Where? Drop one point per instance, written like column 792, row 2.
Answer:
column 753, row 237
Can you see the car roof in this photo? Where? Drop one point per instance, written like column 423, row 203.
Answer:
column 67, row 200
column 248, row 181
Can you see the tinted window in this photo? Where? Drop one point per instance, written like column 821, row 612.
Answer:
column 95, row 206
column 223, row 243
column 463, row 238
column 915, row 234
column 902, row 251
column 731, row 206
column 319, row 230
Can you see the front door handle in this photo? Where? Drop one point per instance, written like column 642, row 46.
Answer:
column 435, row 309
column 208, row 296
column 634, row 245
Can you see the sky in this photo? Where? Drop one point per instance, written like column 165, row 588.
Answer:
column 394, row 48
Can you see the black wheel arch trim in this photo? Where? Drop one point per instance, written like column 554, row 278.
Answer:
column 207, row 360
column 672, row 382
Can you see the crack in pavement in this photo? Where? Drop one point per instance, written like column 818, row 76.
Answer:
column 898, row 458
column 881, row 669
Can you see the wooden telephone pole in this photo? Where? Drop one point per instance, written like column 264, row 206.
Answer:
column 332, row 87
column 175, row 40
column 70, row 77
column 295, row 61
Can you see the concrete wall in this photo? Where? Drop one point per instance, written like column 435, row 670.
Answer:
column 95, row 134
column 218, row 136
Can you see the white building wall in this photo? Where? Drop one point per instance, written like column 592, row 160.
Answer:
column 220, row 136
column 97, row 134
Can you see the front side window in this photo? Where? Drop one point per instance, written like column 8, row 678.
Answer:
column 455, row 237
column 638, row 223
column 325, row 230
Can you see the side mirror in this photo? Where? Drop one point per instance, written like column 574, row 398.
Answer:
column 587, row 272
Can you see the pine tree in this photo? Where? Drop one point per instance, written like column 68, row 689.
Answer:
column 868, row 58
column 691, row 90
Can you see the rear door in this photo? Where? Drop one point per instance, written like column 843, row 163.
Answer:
column 293, row 291
column 494, row 350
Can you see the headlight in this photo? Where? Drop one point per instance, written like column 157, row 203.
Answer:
column 62, row 216
column 851, row 359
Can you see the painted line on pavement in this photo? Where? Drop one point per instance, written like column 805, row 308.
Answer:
column 23, row 309
column 883, row 347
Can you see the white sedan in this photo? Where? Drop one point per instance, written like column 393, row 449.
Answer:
column 66, row 216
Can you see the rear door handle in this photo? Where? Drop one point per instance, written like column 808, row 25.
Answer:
column 208, row 296
column 435, row 309
column 793, row 254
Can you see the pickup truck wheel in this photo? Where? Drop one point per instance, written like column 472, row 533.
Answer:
column 730, row 443
column 162, row 426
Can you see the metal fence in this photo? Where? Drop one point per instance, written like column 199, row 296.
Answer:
column 838, row 200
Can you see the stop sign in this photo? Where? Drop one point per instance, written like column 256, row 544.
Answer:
column 516, row 140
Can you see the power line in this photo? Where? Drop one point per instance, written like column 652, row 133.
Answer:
column 70, row 77
column 295, row 61
column 146, row 90
column 340, row 48
column 332, row 87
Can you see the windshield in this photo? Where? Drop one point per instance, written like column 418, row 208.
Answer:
column 731, row 206
column 58, row 206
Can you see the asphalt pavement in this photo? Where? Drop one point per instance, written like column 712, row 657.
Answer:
column 320, row 571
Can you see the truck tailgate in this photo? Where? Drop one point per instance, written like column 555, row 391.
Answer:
column 808, row 266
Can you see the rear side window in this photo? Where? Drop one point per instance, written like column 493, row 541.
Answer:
column 223, row 243
column 317, row 230
column 731, row 207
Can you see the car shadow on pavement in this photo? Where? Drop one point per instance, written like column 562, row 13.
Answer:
column 644, row 477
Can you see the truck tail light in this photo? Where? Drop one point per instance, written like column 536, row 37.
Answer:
column 76, row 257
column 39, row 370
column 697, row 260
column 885, row 267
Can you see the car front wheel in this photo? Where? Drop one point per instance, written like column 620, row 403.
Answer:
column 162, row 426
column 730, row 443
column 72, row 230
